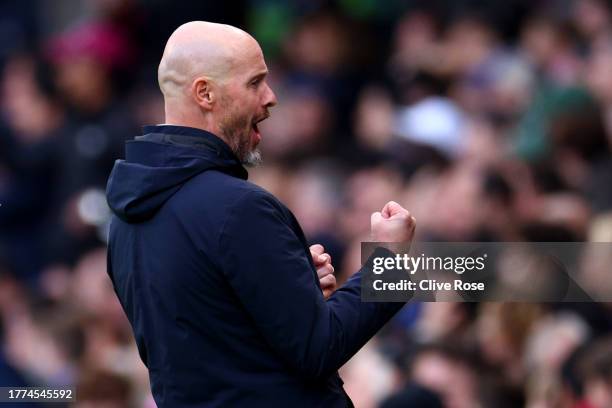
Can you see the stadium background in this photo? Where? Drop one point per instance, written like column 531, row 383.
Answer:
column 487, row 120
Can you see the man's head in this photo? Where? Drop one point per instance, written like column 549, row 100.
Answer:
column 213, row 77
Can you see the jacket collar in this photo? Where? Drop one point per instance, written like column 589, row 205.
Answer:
column 194, row 138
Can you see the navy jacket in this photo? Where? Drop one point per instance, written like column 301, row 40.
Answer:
column 217, row 281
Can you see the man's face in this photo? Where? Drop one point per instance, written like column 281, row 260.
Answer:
column 245, row 102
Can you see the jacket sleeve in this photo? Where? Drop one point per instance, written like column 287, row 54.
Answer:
column 267, row 266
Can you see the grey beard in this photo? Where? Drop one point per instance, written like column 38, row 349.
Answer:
column 239, row 143
column 252, row 158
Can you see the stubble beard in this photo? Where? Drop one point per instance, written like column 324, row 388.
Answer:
column 237, row 132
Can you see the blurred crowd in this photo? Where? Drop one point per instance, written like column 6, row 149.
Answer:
column 489, row 121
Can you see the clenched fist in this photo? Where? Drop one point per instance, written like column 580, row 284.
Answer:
column 393, row 224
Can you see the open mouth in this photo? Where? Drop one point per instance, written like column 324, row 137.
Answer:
column 257, row 134
column 256, row 128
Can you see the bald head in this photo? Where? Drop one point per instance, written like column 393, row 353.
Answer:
column 213, row 77
column 200, row 48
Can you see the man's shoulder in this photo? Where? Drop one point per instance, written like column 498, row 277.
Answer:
column 211, row 199
column 227, row 191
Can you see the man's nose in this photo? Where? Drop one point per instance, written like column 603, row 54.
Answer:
column 270, row 99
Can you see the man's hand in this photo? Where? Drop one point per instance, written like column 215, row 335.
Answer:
column 325, row 270
column 393, row 224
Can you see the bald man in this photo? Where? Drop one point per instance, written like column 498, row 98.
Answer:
column 229, row 305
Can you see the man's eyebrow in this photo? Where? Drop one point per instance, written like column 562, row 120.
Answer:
column 258, row 76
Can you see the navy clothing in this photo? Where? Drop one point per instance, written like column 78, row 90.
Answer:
column 216, row 278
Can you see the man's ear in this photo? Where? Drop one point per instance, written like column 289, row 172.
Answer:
column 201, row 90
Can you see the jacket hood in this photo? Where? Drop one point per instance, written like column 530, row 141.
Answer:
column 158, row 163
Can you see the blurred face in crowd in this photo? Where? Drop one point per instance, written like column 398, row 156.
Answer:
column 84, row 83
column 452, row 380
column 213, row 77
column 598, row 76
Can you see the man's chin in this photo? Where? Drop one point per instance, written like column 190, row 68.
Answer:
column 252, row 159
